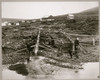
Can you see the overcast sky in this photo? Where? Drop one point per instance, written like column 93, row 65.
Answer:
column 31, row 10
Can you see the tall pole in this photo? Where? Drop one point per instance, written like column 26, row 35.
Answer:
column 93, row 42
column 37, row 43
column 73, row 49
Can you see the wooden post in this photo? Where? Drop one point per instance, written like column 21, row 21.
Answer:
column 93, row 42
column 37, row 43
column 73, row 49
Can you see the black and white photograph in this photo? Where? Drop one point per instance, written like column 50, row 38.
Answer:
column 50, row 40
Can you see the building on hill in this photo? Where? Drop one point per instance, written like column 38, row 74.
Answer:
column 33, row 20
column 70, row 16
column 43, row 19
column 50, row 18
column 17, row 24
column 9, row 24
column 23, row 21
column 27, row 21
column 4, row 23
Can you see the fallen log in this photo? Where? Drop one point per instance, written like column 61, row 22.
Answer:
column 31, row 47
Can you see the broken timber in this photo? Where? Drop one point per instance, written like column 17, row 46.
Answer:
column 81, row 47
column 37, row 43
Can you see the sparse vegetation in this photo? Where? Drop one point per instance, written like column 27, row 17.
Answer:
column 15, row 37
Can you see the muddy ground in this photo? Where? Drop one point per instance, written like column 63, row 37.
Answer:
column 91, row 56
column 13, row 41
column 15, row 53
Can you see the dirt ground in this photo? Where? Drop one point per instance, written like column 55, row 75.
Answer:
column 13, row 41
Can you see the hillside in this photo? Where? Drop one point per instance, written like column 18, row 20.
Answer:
column 85, row 22
column 11, row 19
column 92, row 11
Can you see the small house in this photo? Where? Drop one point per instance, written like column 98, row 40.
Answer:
column 27, row 21
column 34, row 20
column 17, row 24
column 50, row 18
column 23, row 21
column 4, row 24
column 70, row 16
column 43, row 19
column 9, row 24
